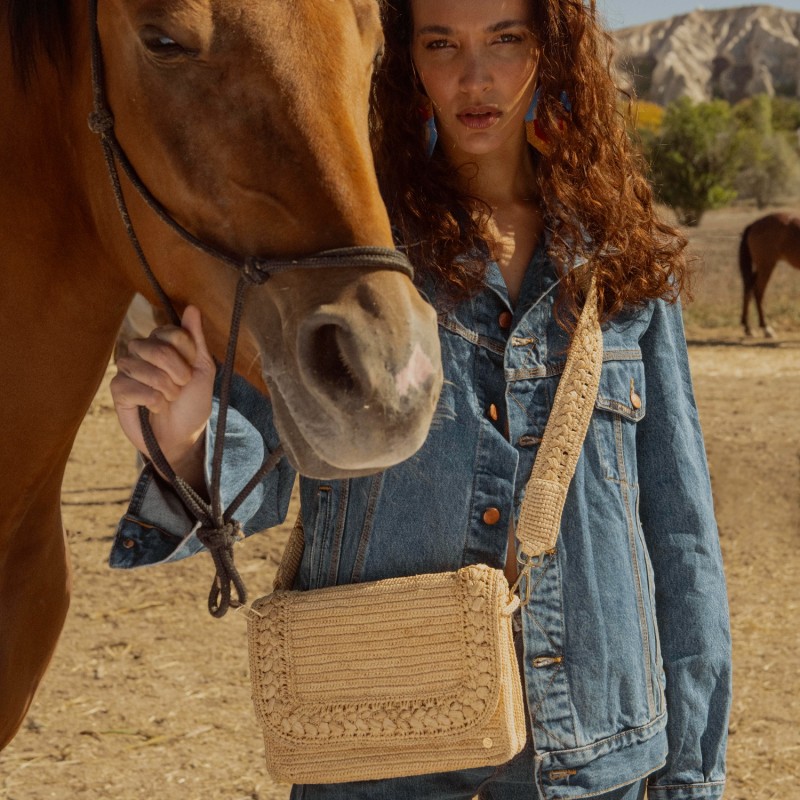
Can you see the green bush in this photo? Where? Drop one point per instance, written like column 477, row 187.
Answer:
column 704, row 155
column 694, row 158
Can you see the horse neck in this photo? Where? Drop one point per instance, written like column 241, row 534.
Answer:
column 792, row 247
column 62, row 295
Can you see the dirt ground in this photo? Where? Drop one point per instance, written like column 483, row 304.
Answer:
column 147, row 695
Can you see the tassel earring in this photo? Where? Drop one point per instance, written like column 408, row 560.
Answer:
column 426, row 114
column 429, row 121
column 533, row 130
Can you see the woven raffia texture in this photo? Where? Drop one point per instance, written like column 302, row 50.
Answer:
column 292, row 556
column 540, row 515
column 397, row 677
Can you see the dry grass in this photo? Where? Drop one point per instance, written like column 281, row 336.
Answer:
column 748, row 403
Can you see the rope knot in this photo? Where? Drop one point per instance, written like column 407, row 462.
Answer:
column 255, row 270
column 101, row 122
column 526, row 564
column 219, row 539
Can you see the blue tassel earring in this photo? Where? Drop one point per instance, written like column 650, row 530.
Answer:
column 427, row 115
column 431, row 134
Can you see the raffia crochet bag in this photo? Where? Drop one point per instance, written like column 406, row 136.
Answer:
column 395, row 677
column 408, row 676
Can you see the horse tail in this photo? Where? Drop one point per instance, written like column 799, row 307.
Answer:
column 746, row 261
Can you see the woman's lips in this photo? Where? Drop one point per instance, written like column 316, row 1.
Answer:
column 478, row 118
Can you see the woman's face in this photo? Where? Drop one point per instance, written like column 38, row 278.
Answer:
column 477, row 61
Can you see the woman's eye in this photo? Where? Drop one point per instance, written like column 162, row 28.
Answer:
column 508, row 38
column 437, row 44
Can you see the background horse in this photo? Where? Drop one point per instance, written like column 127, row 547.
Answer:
column 248, row 123
column 765, row 242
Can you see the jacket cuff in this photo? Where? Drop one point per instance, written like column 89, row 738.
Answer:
column 687, row 791
column 156, row 527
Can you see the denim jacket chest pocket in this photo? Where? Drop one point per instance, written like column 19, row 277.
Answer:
column 620, row 405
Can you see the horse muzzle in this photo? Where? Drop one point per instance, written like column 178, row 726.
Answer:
column 356, row 381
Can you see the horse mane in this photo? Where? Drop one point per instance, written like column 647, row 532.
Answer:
column 35, row 27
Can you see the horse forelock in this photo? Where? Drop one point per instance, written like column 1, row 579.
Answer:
column 37, row 27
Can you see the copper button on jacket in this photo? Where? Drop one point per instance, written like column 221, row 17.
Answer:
column 491, row 515
column 504, row 320
column 493, row 412
column 636, row 401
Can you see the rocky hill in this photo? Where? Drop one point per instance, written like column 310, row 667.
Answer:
column 730, row 54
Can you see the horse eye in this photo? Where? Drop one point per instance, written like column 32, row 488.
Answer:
column 161, row 44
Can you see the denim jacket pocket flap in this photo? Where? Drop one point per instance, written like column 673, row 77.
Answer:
column 622, row 389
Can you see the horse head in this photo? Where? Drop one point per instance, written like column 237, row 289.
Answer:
column 247, row 121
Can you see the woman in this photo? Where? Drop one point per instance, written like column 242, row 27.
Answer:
column 626, row 663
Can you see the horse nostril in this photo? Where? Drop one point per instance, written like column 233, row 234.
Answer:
column 328, row 362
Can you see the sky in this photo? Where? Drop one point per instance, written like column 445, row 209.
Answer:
column 622, row 13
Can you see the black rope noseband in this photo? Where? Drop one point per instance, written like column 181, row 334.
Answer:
column 218, row 529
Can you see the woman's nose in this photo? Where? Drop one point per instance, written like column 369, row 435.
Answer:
column 475, row 73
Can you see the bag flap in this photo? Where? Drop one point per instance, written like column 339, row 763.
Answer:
column 404, row 657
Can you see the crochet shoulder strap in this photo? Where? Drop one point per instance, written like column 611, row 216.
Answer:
column 546, row 492
column 292, row 556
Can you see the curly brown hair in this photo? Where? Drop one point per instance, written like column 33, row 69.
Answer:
column 595, row 199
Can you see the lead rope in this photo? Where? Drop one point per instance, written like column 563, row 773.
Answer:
column 218, row 530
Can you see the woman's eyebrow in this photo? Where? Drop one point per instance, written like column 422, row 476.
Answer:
column 443, row 30
column 507, row 23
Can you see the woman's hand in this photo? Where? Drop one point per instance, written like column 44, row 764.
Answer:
column 172, row 374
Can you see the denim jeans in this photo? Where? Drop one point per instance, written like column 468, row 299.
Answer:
column 513, row 781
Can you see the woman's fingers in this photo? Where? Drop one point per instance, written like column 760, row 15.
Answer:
column 130, row 393
column 171, row 373
column 168, row 351
column 168, row 359
column 152, row 375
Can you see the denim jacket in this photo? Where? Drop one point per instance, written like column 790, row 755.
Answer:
column 627, row 661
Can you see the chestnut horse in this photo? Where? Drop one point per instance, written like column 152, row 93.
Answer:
column 247, row 122
column 765, row 242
